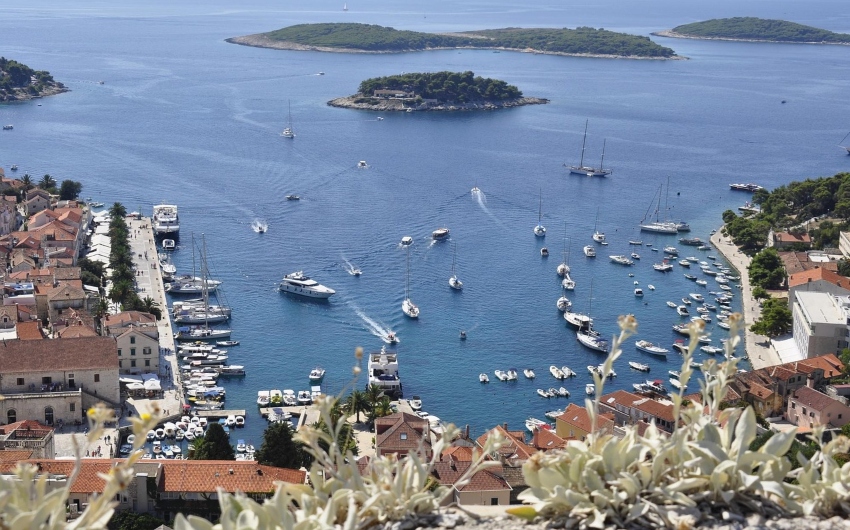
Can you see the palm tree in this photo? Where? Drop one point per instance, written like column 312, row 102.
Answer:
column 373, row 396
column 47, row 182
column 149, row 305
column 383, row 408
column 118, row 210
column 356, row 403
column 26, row 181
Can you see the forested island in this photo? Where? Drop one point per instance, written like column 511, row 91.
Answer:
column 439, row 91
column 371, row 38
column 755, row 29
column 20, row 82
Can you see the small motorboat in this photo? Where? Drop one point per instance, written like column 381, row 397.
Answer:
column 293, row 198
column 160, row 433
column 638, row 291
column 651, row 287
column 462, row 335
column 179, row 435
column 639, row 366
column 240, row 421
column 563, row 304
column 157, row 447
column 391, row 338
column 711, row 350
column 681, row 347
column 568, row 372
column 168, row 244
column 240, row 446
column 635, row 255
column 543, row 393
column 512, row 375
column 563, row 392
column 316, row 374
column 150, row 436
column 674, row 373
column 501, row 375
column 544, row 252
column 362, row 164
column 406, row 240
column 440, row 234
column 675, row 384
column 482, row 377
column 415, row 403
column 589, row 389
column 556, row 372
column 682, row 310
column 190, row 435
column 528, row 373
column 131, row 439
column 686, row 301
column 14, row 167
column 230, row 421
column 671, row 304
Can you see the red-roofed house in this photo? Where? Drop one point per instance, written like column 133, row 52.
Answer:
column 28, row 436
column 575, row 423
column 486, row 487
column 628, row 409
column 809, row 408
column 401, row 433
column 781, row 240
column 819, row 280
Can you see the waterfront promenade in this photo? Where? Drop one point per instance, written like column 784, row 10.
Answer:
column 758, row 347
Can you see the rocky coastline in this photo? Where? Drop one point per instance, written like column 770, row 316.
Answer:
column 361, row 102
column 259, row 40
column 22, row 94
column 673, row 35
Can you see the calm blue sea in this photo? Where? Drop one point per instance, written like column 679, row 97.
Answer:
column 184, row 117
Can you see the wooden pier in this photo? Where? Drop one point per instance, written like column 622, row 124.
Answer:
column 220, row 413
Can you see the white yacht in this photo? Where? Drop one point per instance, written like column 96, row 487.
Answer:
column 317, row 374
column 589, row 251
column 288, row 132
column 578, row 320
column 564, row 304
column 540, row 230
column 592, row 339
column 621, row 260
column 454, row 282
column 407, row 306
column 639, row 366
column 482, row 377
column 557, row 373
column 648, row 347
column 297, row 283
column 568, row 283
column 664, row 266
column 590, row 171
column 165, row 219
column 528, row 373
column 440, row 234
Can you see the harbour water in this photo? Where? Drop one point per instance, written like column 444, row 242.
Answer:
column 185, row 118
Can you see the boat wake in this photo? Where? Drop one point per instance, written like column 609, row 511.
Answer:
column 259, row 226
column 377, row 329
column 350, row 268
column 479, row 197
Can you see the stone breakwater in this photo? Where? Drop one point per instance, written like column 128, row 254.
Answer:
column 396, row 105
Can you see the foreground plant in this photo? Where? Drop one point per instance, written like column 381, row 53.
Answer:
column 675, row 480
column 339, row 496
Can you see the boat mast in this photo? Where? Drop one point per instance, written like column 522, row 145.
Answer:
column 407, row 284
column 666, row 197
column 841, row 143
column 204, row 290
column 289, row 103
column 454, row 259
column 583, row 142
column 603, row 154
column 540, row 209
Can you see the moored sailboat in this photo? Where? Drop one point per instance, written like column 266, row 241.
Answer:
column 407, row 306
column 590, row 171
column 288, row 132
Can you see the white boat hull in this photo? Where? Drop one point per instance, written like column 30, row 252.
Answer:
column 409, row 308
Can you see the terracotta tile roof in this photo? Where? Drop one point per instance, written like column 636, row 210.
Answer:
column 458, row 454
column 403, row 437
column 820, row 273
column 812, row 399
column 29, row 330
column 85, row 353
column 205, row 476
column 88, row 481
column 655, row 409
column 9, row 458
column 787, row 237
column 129, row 317
column 761, row 392
column 515, row 446
column 546, row 440
column 578, row 417
column 782, row 372
column 66, row 290
column 829, row 363
column 25, row 425
column 76, row 331
column 448, row 473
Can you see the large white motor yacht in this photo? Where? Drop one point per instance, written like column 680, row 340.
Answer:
column 165, row 219
column 297, row 283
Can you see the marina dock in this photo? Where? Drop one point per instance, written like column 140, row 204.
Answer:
column 220, row 413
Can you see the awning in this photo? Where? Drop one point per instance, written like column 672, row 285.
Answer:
column 152, row 384
column 135, row 386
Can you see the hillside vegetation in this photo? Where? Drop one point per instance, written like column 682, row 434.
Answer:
column 374, row 38
column 19, row 81
column 444, row 86
column 752, row 28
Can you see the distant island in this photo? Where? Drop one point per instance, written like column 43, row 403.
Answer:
column 755, row 29
column 439, row 91
column 371, row 38
column 19, row 82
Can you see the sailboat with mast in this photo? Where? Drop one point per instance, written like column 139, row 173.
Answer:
column 288, row 132
column 454, row 282
column 540, row 230
column 588, row 336
column 658, row 226
column 203, row 332
column 844, row 146
column 407, row 306
column 590, row 171
column 598, row 236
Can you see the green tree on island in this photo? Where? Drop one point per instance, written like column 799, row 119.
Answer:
column 767, row 270
column 215, row 445
column 775, row 318
column 70, row 190
column 280, row 450
column 47, row 183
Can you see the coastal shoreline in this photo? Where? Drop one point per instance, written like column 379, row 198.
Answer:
column 758, row 348
column 396, row 105
column 259, row 40
column 22, row 95
column 673, row 35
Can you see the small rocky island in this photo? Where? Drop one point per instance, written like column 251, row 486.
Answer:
column 19, row 82
column 438, row 91
column 371, row 38
column 755, row 29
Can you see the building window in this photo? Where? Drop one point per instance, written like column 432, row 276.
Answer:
column 120, row 363
column 21, row 381
column 403, row 436
column 48, row 416
column 147, row 362
column 11, row 416
column 804, row 411
column 119, row 352
column 494, row 501
column 132, row 352
column 146, row 351
column 72, row 407
column 132, row 340
column 97, row 378
column 46, row 380
column 71, row 382
column 133, row 363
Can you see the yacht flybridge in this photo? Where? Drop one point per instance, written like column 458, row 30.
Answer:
column 165, row 219
column 297, row 283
